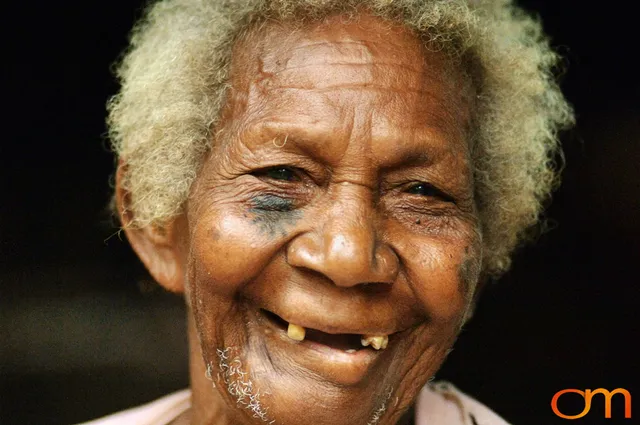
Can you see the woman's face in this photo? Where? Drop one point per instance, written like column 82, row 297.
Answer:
column 338, row 197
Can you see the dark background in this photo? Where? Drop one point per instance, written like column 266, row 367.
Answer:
column 84, row 332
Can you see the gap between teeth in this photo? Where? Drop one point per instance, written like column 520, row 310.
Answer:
column 297, row 333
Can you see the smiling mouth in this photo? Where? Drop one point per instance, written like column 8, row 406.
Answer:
column 349, row 343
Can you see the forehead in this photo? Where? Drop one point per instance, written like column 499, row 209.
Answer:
column 335, row 81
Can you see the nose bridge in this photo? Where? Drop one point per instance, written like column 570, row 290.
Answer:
column 348, row 233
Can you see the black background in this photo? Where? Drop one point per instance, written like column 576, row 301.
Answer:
column 84, row 332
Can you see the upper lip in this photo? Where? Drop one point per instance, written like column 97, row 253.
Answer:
column 324, row 323
column 335, row 310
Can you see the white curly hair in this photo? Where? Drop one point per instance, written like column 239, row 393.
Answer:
column 174, row 78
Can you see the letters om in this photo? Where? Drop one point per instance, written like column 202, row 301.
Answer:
column 587, row 395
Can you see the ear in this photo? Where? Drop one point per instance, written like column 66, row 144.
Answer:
column 160, row 248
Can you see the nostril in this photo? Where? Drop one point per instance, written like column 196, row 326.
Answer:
column 375, row 287
column 313, row 274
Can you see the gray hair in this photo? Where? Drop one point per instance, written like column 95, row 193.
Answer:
column 174, row 78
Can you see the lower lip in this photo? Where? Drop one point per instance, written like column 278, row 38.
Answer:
column 345, row 368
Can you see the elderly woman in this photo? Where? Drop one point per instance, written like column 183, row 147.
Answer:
column 329, row 183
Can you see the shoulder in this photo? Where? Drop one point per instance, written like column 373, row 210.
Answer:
column 442, row 403
column 158, row 412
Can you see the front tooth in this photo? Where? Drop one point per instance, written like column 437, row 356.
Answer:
column 376, row 341
column 296, row 332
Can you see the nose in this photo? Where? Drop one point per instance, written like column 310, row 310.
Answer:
column 344, row 245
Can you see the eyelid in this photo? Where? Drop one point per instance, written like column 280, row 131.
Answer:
column 297, row 172
column 272, row 167
column 306, row 172
column 438, row 192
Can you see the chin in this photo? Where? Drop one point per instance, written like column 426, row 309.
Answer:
column 266, row 376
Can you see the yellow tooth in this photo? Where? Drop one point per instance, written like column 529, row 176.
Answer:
column 296, row 332
column 376, row 341
column 385, row 342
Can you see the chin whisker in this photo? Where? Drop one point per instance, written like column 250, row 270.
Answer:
column 239, row 386
column 377, row 414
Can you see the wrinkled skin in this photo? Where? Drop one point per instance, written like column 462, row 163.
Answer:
column 339, row 196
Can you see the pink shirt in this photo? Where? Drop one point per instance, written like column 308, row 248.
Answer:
column 439, row 403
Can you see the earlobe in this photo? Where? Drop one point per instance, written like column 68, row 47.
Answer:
column 159, row 247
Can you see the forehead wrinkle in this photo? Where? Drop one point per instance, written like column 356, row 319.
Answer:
column 345, row 73
column 376, row 64
column 373, row 88
column 312, row 144
column 343, row 43
column 322, row 49
column 382, row 131
column 359, row 49
column 348, row 74
column 360, row 119
column 305, row 140
column 274, row 66
column 434, row 125
column 338, row 55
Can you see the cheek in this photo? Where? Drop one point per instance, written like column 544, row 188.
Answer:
column 228, row 249
column 469, row 268
column 434, row 274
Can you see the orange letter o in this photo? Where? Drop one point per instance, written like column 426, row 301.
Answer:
column 554, row 404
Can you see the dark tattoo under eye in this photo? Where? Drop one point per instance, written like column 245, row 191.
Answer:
column 271, row 203
column 273, row 214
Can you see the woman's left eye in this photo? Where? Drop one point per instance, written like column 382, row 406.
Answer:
column 425, row 189
column 278, row 173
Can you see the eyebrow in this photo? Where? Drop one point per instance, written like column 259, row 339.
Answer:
column 413, row 158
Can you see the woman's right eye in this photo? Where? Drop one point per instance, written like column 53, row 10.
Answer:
column 278, row 173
